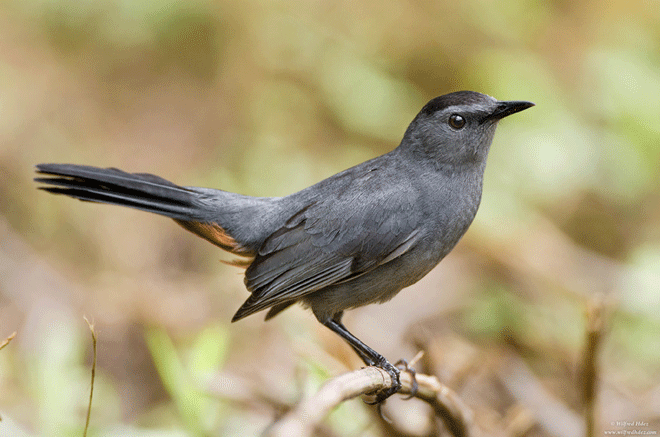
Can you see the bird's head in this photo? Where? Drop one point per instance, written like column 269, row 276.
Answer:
column 456, row 129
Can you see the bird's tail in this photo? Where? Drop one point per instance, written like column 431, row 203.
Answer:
column 110, row 185
column 140, row 191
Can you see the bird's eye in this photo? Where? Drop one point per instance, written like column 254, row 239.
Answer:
column 456, row 121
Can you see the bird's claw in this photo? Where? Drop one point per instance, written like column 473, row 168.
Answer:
column 402, row 366
column 394, row 372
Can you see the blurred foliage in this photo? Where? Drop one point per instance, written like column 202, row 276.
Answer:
column 197, row 412
column 267, row 97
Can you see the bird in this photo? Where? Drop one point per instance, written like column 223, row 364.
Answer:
column 353, row 239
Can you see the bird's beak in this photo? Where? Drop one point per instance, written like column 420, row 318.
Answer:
column 504, row 109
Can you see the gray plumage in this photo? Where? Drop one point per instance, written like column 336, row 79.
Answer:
column 353, row 239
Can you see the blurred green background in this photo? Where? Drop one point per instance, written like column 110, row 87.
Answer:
column 267, row 97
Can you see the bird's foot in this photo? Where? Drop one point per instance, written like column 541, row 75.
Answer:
column 394, row 372
column 403, row 366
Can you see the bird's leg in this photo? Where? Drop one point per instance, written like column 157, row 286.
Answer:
column 368, row 359
column 368, row 355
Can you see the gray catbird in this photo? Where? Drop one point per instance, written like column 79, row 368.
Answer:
column 353, row 239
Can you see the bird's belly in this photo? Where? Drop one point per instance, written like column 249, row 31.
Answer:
column 385, row 281
column 377, row 286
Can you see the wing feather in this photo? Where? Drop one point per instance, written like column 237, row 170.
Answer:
column 319, row 246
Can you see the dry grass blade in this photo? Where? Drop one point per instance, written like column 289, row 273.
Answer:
column 595, row 328
column 91, row 389
column 7, row 340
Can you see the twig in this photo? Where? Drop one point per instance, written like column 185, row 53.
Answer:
column 303, row 418
column 457, row 416
column 91, row 389
column 8, row 339
column 416, row 358
column 595, row 329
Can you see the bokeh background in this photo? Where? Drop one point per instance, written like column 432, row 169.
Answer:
column 267, row 97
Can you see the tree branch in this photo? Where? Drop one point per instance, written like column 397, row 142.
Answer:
column 304, row 417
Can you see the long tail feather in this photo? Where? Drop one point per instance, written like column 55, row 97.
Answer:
column 110, row 185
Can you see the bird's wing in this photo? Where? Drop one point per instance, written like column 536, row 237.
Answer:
column 331, row 241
